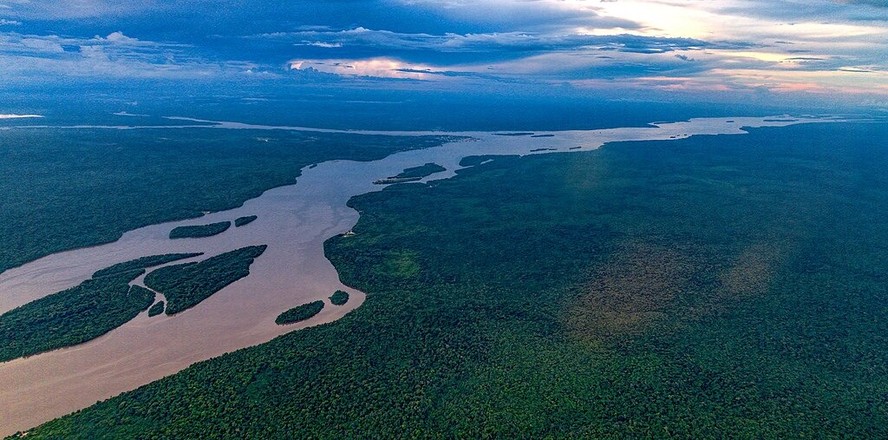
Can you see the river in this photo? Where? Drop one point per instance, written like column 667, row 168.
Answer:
column 294, row 221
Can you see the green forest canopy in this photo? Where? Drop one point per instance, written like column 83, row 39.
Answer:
column 695, row 288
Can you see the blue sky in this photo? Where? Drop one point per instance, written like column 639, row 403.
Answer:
column 729, row 49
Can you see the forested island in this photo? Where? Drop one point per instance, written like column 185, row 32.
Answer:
column 81, row 313
column 186, row 285
column 705, row 287
column 156, row 309
column 300, row 313
column 144, row 262
column 243, row 221
column 199, row 231
column 412, row 174
column 339, row 298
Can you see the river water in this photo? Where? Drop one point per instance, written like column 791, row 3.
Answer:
column 294, row 221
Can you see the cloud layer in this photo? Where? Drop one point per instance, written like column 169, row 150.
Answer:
column 818, row 47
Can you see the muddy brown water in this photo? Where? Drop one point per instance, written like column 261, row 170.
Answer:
column 294, row 221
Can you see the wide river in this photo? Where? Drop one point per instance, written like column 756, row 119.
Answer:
column 294, row 221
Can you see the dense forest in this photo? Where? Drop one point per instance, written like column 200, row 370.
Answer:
column 156, row 309
column 81, row 313
column 245, row 220
column 136, row 178
column 712, row 287
column 199, row 231
column 339, row 298
column 186, row 285
column 300, row 313
column 412, row 174
column 142, row 263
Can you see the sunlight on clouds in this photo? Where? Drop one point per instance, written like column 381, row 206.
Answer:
column 662, row 19
column 374, row 67
column 796, row 51
column 817, row 82
column 720, row 20
column 741, row 46
column 814, row 47
column 761, row 56
column 815, row 31
column 778, row 60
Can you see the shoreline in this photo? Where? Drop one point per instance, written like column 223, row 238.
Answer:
column 294, row 220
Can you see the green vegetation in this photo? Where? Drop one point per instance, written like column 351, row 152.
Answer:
column 143, row 263
column 722, row 286
column 156, row 309
column 300, row 313
column 76, row 315
column 186, row 285
column 339, row 298
column 199, row 231
column 471, row 161
column 93, row 185
column 243, row 221
column 412, row 174
column 420, row 171
column 81, row 313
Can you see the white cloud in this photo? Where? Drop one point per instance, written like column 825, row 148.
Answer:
column 373, row 67
column 34, row 58
column 530, row 15
column 42, row 45
column 730, row 44
column 9, row 116
column 502, row 44
column 118, row 37
column 324, row 44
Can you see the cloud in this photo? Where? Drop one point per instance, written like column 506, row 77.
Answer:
column 76, row 9
column 374, row 67
column 323, row 44
column 35, row 58
column 857, row 69
column 501, row 57
column 119, row 37
column 738, row 45
column 8, row 116
column 41, row 45
column 533, row 15
column 467, row 48
column 876, row 3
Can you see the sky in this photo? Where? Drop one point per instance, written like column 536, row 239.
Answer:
column 695, row 49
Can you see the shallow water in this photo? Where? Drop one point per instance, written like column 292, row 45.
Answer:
column 294, row 221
